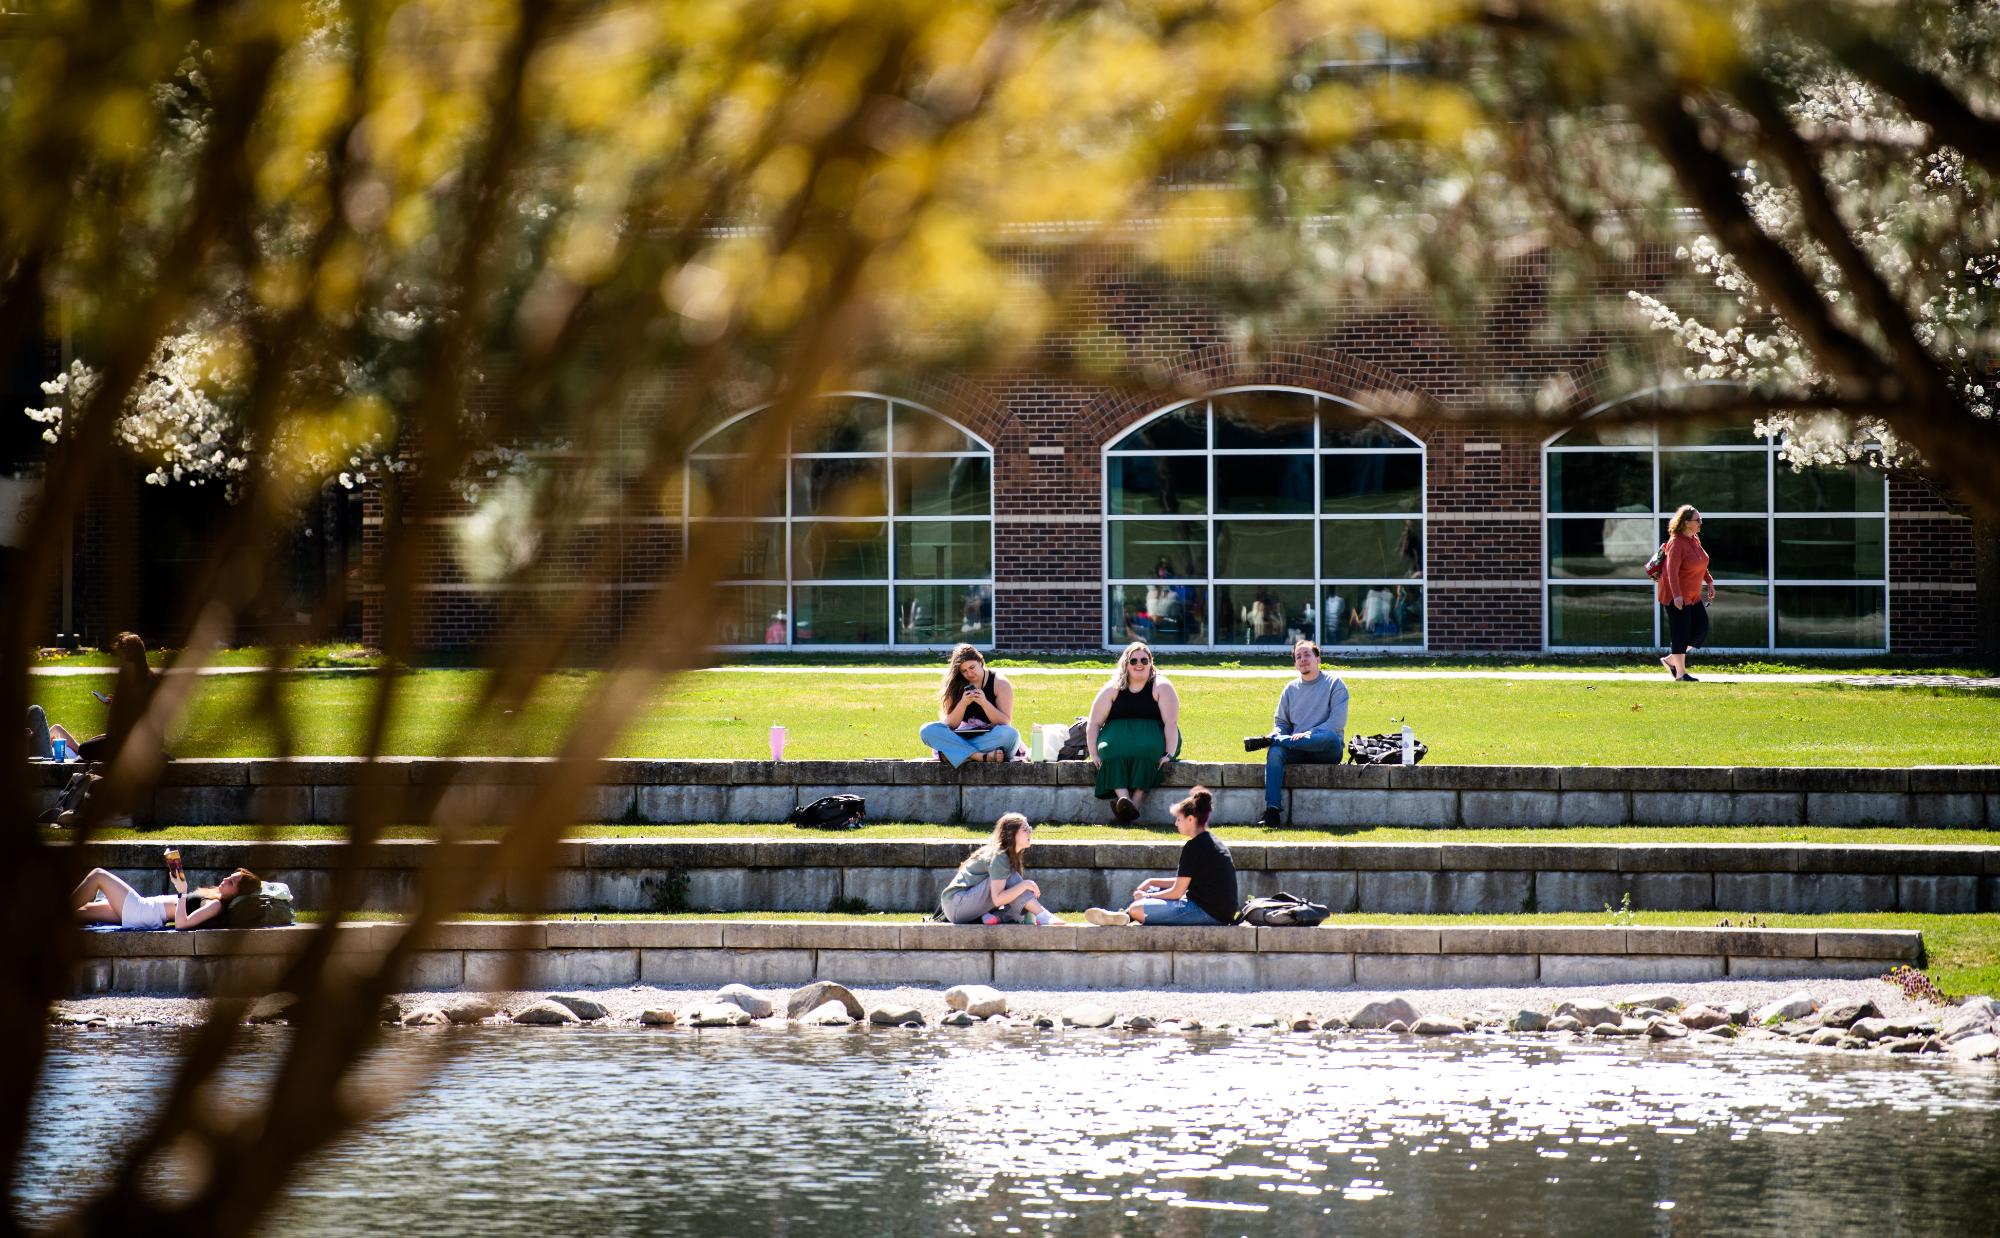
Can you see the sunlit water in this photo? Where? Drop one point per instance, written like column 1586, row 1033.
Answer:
column 990, row 1131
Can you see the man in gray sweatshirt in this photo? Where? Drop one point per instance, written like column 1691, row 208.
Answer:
column 1308, row 728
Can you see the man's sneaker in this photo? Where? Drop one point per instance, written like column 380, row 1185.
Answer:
column 1251, row 743
column 1046, row 917
column 1270, row 818
column 989, row 918
column 1106, row 919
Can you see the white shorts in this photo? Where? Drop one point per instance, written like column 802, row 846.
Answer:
column 141, row 912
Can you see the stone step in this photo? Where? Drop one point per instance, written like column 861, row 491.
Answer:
column 559, row 954
column 324, row 790
column 1456, row 878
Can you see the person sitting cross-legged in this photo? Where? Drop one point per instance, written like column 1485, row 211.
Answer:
column 1201, row 892
column 1309, row 727
column 975, row 713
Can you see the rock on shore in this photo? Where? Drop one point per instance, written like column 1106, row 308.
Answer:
column 1826, row 1016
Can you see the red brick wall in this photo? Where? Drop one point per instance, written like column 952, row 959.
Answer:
column 1484, row 552
column 1931, row 599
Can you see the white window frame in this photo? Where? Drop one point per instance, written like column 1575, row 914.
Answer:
column 787, row 522
column 1770, row 582
column 1210, row 583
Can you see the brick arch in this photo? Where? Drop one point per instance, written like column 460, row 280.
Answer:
column 1324, row 370
column 970, row 403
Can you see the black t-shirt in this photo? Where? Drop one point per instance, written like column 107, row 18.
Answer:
column 1211, row 876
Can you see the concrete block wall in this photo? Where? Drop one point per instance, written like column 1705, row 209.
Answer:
column 664, row 876
column 559, row 954
column 324, row 790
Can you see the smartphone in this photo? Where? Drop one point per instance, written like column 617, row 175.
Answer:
column 100, row 696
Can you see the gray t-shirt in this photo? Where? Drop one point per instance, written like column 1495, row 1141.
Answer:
column 1304, row 706
column 980, row 869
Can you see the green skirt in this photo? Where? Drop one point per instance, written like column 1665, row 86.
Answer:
column 1128, row 755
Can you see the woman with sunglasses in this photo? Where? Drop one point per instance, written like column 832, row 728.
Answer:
column 1134, row 731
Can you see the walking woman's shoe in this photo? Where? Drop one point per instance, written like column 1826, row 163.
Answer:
column 1125, row 810
column 1251, row 743
column 1671, row 672
column 1106, row 919
column 1687, row 678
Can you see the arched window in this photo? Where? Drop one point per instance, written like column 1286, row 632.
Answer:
column 1799, row 557
column 881, row 532
column 1254, row 516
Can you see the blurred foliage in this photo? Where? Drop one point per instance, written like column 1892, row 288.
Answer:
column 301, row 243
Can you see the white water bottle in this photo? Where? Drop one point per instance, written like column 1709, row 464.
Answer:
column 1409, row 745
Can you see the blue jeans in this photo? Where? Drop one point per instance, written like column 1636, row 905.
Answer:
column 1177, row 912
column 958, row 749
column 1321, row 746
column 40, row 747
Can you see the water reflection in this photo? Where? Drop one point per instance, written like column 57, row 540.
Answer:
column 1010, row 1131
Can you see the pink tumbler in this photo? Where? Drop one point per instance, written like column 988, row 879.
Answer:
column 777, row 742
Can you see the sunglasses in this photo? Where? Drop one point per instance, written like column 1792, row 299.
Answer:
column 1139, row 661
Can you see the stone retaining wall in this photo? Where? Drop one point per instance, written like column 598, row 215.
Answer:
column 321, row 790
column 650, row 875
column 559, row 954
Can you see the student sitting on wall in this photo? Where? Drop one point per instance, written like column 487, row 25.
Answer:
column 1309, row 727
column 992, row 885
column 1134, row 731
column 1202, row 891
column 975, row 710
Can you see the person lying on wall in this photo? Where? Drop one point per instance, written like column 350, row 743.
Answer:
column 106, row 898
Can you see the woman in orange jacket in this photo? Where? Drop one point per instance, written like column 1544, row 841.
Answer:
column 1685, row 589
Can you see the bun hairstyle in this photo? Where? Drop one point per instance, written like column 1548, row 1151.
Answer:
column 1199, row 803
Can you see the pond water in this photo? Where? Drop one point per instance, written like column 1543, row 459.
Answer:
column 988, row 1131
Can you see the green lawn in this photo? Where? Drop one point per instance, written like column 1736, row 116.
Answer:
column 971, row 833
column 1962, row 953
column 1511, row 722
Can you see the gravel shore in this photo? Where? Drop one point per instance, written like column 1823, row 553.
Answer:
column 627, row 1003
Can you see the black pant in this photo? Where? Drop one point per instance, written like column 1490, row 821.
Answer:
column 1687, row 626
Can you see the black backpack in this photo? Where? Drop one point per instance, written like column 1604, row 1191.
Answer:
column 1282, row 910
column 1383, row 750
column 1073, row 747
column 71, row 800
column 830, row 812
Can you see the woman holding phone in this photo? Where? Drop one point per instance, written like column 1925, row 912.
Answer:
column 106, row 898
column 975, row 713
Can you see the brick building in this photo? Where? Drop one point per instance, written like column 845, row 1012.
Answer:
column 1023, row 511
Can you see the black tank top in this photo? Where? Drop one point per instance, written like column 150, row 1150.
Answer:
column 1141, row 704
column 976, row 710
